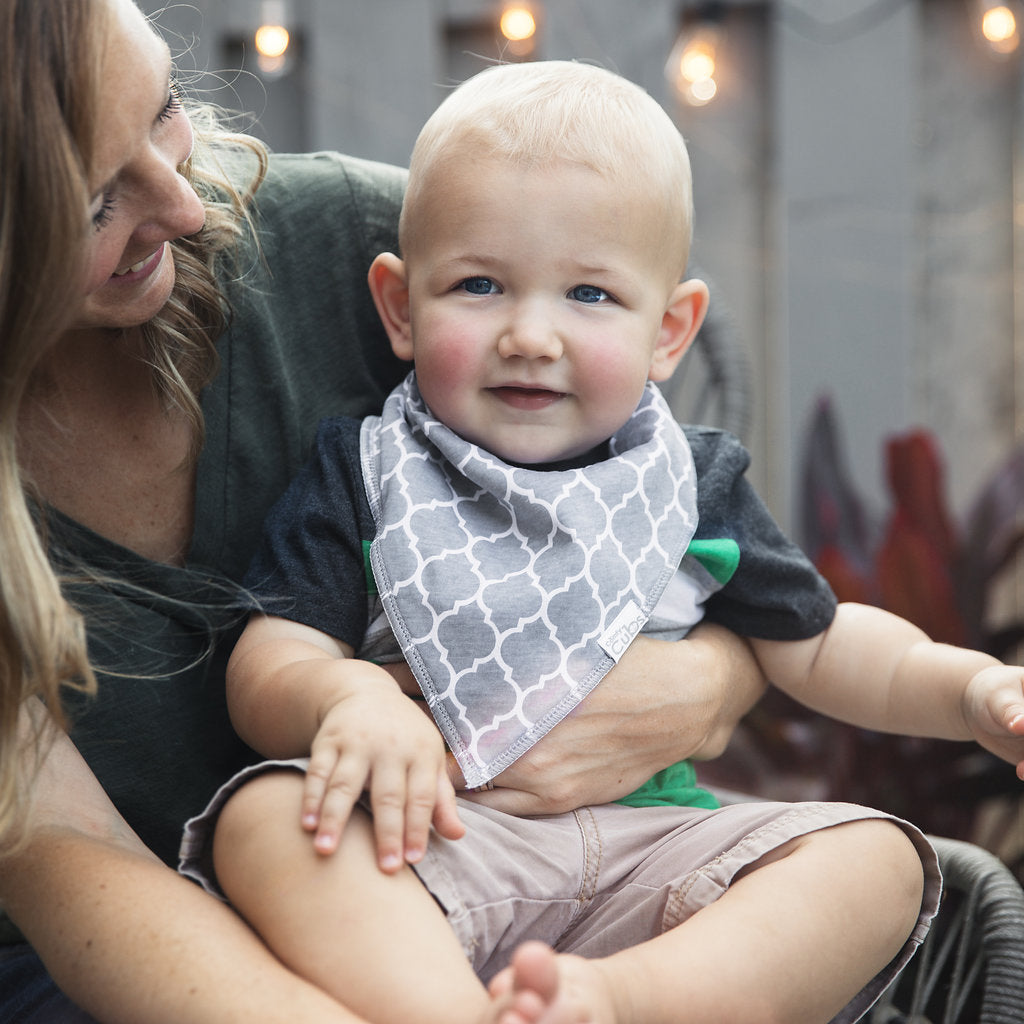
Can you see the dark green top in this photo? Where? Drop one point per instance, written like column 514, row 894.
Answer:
column 305, row 342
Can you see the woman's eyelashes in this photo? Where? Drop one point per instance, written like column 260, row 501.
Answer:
column 173, row 104
column 101, row 218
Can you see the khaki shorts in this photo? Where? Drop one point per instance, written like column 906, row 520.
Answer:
column 600, row 879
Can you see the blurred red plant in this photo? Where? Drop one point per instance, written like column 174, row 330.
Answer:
column 918, row 565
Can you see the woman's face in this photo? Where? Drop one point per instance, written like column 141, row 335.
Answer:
column 139, row 200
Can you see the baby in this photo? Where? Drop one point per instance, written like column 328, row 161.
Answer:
column 523, row 507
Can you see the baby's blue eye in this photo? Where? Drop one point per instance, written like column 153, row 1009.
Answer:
column 479, row 286
column 588, row 293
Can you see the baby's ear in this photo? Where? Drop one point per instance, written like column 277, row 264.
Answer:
column 684, row 314
column 390, row 293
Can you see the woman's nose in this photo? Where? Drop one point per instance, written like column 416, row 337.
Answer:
column 185, row 213
column 171, row 206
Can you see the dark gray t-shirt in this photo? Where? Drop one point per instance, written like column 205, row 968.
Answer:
column 310, row 566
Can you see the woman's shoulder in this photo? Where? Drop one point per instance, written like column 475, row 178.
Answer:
column 329, row 177
column 316, row 202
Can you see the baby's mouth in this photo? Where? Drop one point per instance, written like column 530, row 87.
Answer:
column 527, row 397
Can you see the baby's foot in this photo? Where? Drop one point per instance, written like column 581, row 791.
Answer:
column 541, row 987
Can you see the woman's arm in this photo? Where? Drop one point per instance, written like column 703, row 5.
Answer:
column 122, row 934
column 663, row 702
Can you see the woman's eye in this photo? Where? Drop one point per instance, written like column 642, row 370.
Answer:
column 101, row 218
column 479, row 286
column 173, row 104
column 588, row 293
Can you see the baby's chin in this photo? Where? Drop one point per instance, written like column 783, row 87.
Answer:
column 561, row 461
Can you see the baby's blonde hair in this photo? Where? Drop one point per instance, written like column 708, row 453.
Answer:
column 537, row 114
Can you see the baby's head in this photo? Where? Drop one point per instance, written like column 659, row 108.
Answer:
column 544, row 239
column 536, row 115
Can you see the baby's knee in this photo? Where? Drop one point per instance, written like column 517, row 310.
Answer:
column 892, row 849
column 255, row 818
column 259, row 830
column 889, row 867
column 271, row 800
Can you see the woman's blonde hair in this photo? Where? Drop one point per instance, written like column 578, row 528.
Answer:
column 47, row 89
column 49, row 85
column 179, row 343
column 535, row 114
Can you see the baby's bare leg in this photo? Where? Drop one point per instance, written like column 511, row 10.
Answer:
column 377, row 943
column 793, row 940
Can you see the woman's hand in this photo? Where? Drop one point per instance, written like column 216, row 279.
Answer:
column 664, row 702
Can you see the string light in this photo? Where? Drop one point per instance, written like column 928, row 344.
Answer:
column 272, row 38
column 518, row 25
column 999, row 28
column 693, row 63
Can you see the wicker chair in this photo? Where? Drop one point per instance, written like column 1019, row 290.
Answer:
column 970, row 968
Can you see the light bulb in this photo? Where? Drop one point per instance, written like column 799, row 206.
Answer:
column 271, row 40
column 702, row 91
column 693, row 63
column 697, row 62
column 517, row 24
column 999, row 27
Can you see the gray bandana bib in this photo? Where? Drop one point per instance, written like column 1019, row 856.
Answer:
column 512, row 591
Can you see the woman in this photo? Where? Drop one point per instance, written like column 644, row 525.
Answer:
column 162, row 375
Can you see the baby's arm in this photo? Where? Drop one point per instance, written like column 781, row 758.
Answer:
column 876, row 670
column 294, row 691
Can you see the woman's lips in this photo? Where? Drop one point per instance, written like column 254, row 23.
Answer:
column 527, row 398
column 142, row 269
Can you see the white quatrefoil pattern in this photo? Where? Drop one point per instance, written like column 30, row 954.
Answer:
column 512, row 591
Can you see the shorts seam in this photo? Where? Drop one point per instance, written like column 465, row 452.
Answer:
column 592, row 852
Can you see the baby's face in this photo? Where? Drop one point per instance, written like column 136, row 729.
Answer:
column 536, row 298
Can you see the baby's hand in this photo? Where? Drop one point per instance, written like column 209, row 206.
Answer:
column 376, row 738
column 993, row 706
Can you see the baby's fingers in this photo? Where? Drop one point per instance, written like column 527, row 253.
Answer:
column 1006, row 705
column 333, row 785
column 388, row 803
column 403, row 800
column 428, row 787
column 1016, row 726
column 313, row 793
column 446, row 811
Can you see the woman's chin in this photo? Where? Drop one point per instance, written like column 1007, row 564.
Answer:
column 122, row 305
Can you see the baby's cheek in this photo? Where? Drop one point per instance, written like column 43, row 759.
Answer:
column 447, row 377
column 452, row 356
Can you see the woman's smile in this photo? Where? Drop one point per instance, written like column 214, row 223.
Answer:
column 142, row 269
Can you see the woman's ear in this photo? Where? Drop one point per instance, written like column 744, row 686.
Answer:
column 390, row 293
column 687, row 306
